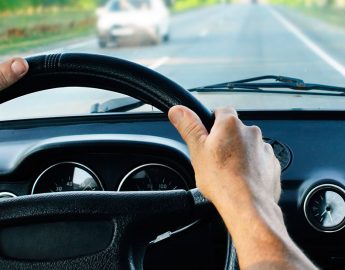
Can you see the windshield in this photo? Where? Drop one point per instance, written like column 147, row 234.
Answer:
column 193, row 42
column 128, row 5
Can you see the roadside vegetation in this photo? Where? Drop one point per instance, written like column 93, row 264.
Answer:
column 23, row 31
column 33, row 23
column 182, row 5
column 331, row 11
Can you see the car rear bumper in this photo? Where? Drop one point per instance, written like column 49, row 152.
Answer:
column 128, row 32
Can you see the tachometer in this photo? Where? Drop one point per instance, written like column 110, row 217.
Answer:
column 152, row 177
column 67, row 176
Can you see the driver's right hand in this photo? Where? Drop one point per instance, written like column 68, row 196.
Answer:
column 232, row 160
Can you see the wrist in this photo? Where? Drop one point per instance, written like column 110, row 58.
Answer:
column 241, row 204
column 257, row 230
column 237, row 202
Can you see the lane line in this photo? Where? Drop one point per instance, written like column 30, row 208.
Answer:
column 44, row 52
column 69, row 47
column 81, row 44
column 160, row 62
column 308, row 42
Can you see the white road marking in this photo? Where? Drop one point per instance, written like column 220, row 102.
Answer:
column 308, row 42
column 81, row 44
column 44, row 53
column 204, row 33
column 160, row 62
column 70, row 47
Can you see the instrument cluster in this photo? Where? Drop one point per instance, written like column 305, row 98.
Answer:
column 73, row 176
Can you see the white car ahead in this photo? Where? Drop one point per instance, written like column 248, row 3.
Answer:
column 133, row 21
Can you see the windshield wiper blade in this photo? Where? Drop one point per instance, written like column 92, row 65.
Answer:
column 281, row 82
column 283, row 79
column 123, row 104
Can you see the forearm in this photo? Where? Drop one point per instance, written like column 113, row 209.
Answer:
column 259, row 234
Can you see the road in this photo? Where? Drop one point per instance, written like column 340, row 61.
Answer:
column 229, row 42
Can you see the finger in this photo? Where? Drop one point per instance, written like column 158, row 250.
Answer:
column 11, row 71
column 278, row 189
column 226, row 119
column 189, row 125
column 256, row 133
column 225, row 110
column 268, row 148
column 276, row 169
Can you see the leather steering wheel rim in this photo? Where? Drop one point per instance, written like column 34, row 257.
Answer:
column 109, row 73
column 117, row 75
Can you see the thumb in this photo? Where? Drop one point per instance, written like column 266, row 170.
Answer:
column 11, row 71
column 189, row 125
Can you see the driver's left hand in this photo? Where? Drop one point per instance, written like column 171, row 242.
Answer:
column 11, row 71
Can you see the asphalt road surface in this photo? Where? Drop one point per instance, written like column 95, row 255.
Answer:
column 230, row 42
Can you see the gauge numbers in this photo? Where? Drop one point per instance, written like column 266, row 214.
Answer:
column 152, row 177
column 67, row 176
column 325, row 208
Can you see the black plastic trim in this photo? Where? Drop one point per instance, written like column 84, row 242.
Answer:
column 88, row 142
column 156, row 116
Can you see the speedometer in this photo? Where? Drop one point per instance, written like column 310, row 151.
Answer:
column 152, row 177
column 67, row 176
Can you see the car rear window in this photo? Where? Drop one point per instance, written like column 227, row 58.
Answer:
column 128, row 5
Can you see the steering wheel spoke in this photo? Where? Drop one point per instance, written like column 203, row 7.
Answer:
column 136, row 218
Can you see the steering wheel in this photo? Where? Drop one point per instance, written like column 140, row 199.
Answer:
column 119, row 211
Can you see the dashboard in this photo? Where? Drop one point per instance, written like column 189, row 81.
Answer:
column 143, row 152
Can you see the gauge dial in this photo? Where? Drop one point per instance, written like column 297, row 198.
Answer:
column 281, row 151
column 6, row 195
column 324, row 208
column 66, row 176
column 152, row 177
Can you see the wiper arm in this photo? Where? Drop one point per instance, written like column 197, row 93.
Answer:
column 283, row 79
column 282, row 82
column 123, row 104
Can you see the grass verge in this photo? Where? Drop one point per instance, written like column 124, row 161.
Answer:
column 22, row 32
column 332, row 15
column 184, row 5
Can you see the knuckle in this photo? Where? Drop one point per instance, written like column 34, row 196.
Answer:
column 229, row 110
column 226, row 111
column 190, row 132
column 268, row 148
column 232, row 120
column 256, row 131
column 3, row 80
column 279, row 167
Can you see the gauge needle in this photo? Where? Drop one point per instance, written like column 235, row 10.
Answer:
column 88, row 186
column 330, row 215
column 324, row 212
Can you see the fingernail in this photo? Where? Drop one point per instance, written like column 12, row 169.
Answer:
column 18, row 67
column 176, row 116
